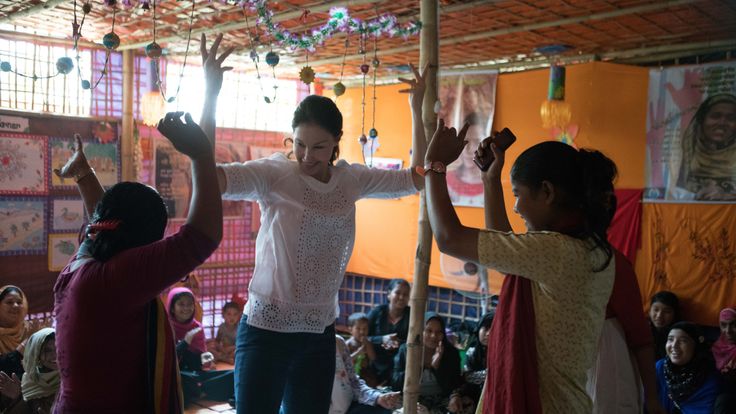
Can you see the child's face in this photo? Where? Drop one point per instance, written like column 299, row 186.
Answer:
column 47, row 357
column 231, row 316
column 661, row 315
column 483, row 335
column 359, row 330
column 184, row 308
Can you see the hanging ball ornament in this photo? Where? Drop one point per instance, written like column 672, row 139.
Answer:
column 5, row 67
column 86, row 84
column 364, row 68
column 111, row 2
column 111, row 41
column 64, row 65
column 153, row 50
column 376, row 62
column 86, row 8
column 363, row 140
column 339, row 89
column 272, row 58
column 307, row 75
column 145, row 6
column 373, row 133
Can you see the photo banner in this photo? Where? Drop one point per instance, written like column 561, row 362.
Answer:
column 468, row 97
column 691, row 134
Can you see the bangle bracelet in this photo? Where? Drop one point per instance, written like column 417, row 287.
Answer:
column 80, row 176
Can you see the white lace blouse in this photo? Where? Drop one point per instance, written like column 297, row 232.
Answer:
column 306, row 236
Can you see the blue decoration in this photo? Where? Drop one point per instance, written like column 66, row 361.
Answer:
column 373, row 133
column 86, row 84
column 153, row 50
column 64, row 65
column 111, row 41
column 272, row 58
column 5, row 67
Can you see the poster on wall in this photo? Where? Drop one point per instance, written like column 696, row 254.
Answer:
column 103, row 157
column 62, row 247
column 468, row 97
column 22, row 226
column 691, row 134
column 173, row 176
column 22, row 164
column 67, row 214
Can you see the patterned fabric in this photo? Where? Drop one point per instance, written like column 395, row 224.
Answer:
column 163, row 382
column 347, row 386
column 564, row 283
column 306, row 236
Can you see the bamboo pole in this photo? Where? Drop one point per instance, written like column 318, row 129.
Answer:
column 429, row 52
column 127, row 143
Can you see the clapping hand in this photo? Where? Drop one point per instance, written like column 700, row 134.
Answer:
column 447, row 144
column 437, row 356
column 9, row 386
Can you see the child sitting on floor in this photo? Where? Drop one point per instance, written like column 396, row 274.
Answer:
column 224, row 346
column 360, row 348
column 194, row 360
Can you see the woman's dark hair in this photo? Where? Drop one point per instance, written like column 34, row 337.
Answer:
column 178, row 296
column 141, row 214
column 667, row 298
column 393, row 283
column 583, row 182
column 10, row 289
column 231, row 305
column 320, row 111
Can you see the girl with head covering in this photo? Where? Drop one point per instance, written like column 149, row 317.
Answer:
column 191, row 351
column 724, row 353
column 664, row 310
column 13, row 333
column 686, row 377
column 440, row 383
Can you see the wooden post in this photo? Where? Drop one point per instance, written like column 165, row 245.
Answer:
column 127, row 140
column 429, row 52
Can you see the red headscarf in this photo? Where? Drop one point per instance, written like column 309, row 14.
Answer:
column 724, row 351
column 181, row 328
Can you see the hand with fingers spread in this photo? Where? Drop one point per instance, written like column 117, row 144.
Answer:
column 447, row 144
column 488, row 148
column 416, row 87
column 212, row 64
column 77, row 164
column 9, row 386
column 188, row 138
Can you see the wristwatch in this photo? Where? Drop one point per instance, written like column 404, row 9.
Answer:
column 433, row 166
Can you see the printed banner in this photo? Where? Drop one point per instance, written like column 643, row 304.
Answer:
column 22, row 226
column 691, row 133
column 22, row 164
column 14, row 124
column 471, row 98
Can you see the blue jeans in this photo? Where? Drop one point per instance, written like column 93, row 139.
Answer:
column 271, row 368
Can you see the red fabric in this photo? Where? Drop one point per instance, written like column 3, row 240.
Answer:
column 101, row 321
column 625, row 231
column 512, row 384
column 625, row 304
column 181, row 328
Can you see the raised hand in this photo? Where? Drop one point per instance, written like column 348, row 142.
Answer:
column 447, row 144
column 416, row 87
column 188, row 138
column 437, row 356
column 9, row 386
column 77, row 163
column 212, row 64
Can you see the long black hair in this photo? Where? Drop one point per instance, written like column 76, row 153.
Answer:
column 321, row 111
column 140, row 216
column 583, row 182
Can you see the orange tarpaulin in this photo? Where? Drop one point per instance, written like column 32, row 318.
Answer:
column 690, row 249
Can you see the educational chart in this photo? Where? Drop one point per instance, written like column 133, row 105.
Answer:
column 471, row 98
column 22, row 164
column 67, row 214
column 691, row 134
column 22, row 226
column 103, row 157
column 61, row 248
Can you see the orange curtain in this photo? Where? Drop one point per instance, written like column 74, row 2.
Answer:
column 690, row 249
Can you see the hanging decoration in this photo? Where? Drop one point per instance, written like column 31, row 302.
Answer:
column 364, row 69
column 153, row 107
column 555, row 111
column 373, row 133
column 272, row 59
column 339, row 21
column 307, row 73
column 64, row 66
column 154, row 52
column 111, row 41
column 339, row 87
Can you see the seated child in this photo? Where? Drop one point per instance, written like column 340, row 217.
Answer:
column 474, row 370
column 351, row 394
column 224, row 346
column 361, row 349
column 192, row 354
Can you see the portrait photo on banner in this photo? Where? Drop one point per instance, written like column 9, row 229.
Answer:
column 691, row 134
column 468, row 97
